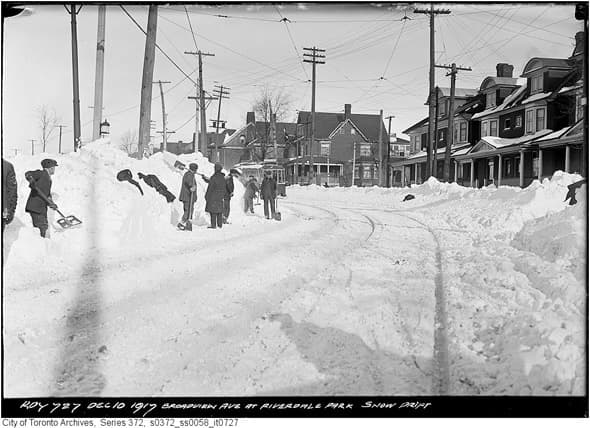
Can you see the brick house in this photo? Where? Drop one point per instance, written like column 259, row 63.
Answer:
column 341, row 141
column 254, row 142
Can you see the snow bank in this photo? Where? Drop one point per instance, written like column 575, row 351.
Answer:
column 115, row 216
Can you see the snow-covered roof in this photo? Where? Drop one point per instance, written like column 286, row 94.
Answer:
column 508, row 102
column 536, row 97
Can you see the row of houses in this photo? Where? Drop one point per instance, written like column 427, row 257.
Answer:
column 343, row 142
column 507, row 133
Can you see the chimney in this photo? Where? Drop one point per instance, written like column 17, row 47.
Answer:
column 250, row 118
column 504, row 70
column 347, row 108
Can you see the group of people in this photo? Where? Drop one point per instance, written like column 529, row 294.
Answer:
column 267, row 191
column 220, row 190
column 39, row 198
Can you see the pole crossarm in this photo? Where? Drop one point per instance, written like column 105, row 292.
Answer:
column 433, row 11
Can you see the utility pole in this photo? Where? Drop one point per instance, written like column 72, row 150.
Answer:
column 222, row 93
column 164, row 131
column 353, row 161
column 435, row 149
column 450, row 133
column 314, row 60
column 74, row 11
column 388, row 181
column 145, row 110
column 432, row 12
column 380, row 148
column 99, row 79
column 33, row 147
column 581, row 14
column 201, row 95
column 60, row 128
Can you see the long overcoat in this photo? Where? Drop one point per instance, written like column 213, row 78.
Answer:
column 36, row 204
column 216, row 191
column 9, row 189
column 268, row 188
column 188, row 181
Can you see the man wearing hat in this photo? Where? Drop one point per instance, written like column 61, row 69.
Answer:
column 188, row 196
column 214, row 196
column 9, row 193
column 40, row 184
column 229, row 185
column 268, row 192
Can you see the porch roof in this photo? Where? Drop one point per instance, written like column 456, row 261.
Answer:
column 491, row 146
column 572, row 134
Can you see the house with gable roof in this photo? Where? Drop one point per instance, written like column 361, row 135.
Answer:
column 253, row 143
column 343, row 142
column 534, row 131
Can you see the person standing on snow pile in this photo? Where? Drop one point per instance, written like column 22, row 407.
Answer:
column 188, row 196
column 9, row 193
column 40, row 182
column 249, row 194
column 229, row 184
column 216, row 191
column 268, row 191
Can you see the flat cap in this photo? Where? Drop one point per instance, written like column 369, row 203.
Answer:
column 48, row 163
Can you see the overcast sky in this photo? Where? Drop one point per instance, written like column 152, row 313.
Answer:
column 374, row 59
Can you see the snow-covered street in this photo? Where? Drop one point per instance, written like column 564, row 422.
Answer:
column 354, row 292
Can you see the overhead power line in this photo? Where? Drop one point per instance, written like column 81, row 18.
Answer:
column 158, row 47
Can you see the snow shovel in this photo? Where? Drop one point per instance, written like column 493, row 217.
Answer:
column 277, row 213
column 66, row 222
column 179, row 165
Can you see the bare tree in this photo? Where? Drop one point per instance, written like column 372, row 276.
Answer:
column 128, row 141
column 48, row 122
column 268, row 102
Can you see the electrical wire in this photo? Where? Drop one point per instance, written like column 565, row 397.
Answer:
column 394, row 49
column 159, row 48
column 284, row 20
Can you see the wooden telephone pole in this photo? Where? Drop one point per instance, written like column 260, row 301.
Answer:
column 432, row 12
column 381, row 148
column 147, row 80
column 201, row 104
column 450, row 132
column 387, row 177
column 99, row 79
column 164, row 126
column 222, row 93
column 60, row 129
column 74, row 11
column 314, row 60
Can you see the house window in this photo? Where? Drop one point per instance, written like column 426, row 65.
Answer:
column 535, row 165
column 507, row 123
column 325, row 148
column 456, row 133
column 402, row 153
column 490, row 99
column 540, row 116
column 518, row 122
column 352, row 131
column 484, row 129
column 529, row 122
column 537, row 83
column 579, row 108
column 341, row 132
column 366, row 172
column 463, row 132
column 356, row 172
column 491, row 170
column 508, row 165
column 365, row 150
column 494, row 128
column 442, row 108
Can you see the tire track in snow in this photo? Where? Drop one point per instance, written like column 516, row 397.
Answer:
column 440, row 381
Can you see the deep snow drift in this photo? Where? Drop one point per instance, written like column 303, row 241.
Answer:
column 513, row 262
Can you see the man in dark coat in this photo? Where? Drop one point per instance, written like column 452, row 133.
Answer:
column 188, row 196
column 9, row 193
column 40, row 196
column 229, row 185
column 268, row 192
column 249, row 194
column 214, row 196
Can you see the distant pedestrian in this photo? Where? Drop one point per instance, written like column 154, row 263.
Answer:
column 249, row 194
column 229, row 184
column 40, row 196
column 216, row 191
column 9, row 193
column 188, row 196
column 268, row 192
